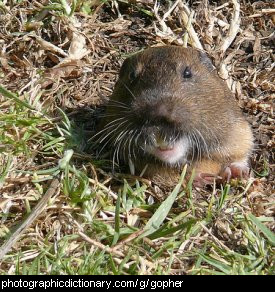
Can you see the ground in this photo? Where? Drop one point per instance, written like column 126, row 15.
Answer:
column 59, row 61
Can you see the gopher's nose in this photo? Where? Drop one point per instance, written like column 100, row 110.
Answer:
column 165, row 112
column 162, row 110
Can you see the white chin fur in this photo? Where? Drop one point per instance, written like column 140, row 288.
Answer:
column 177, row 152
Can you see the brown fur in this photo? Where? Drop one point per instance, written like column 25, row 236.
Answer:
column 152, row 98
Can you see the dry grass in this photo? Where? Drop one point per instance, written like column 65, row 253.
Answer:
column 59, row 64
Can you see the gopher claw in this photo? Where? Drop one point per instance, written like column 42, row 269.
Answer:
column 203, row 179
column 236, row 170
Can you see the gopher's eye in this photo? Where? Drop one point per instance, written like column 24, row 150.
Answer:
column 132, row 75
column 187, row 72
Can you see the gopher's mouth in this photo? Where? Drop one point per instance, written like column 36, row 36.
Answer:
column 170, row 153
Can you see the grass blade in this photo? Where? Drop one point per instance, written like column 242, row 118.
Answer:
column 117, row 220
column 13, row 96
column 156, row 220
column 215, row 263
column 267, row 233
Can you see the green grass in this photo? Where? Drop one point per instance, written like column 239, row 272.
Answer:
column 166, row 229
column 132, row 227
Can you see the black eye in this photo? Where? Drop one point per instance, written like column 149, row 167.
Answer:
column 187, row 72
column 132, row 75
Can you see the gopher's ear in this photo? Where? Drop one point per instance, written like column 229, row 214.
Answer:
column 129, row 65
column 206, row 60
column 125, row 67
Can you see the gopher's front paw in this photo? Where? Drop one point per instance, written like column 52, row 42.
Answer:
column 236, row 170
column 203, row 179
